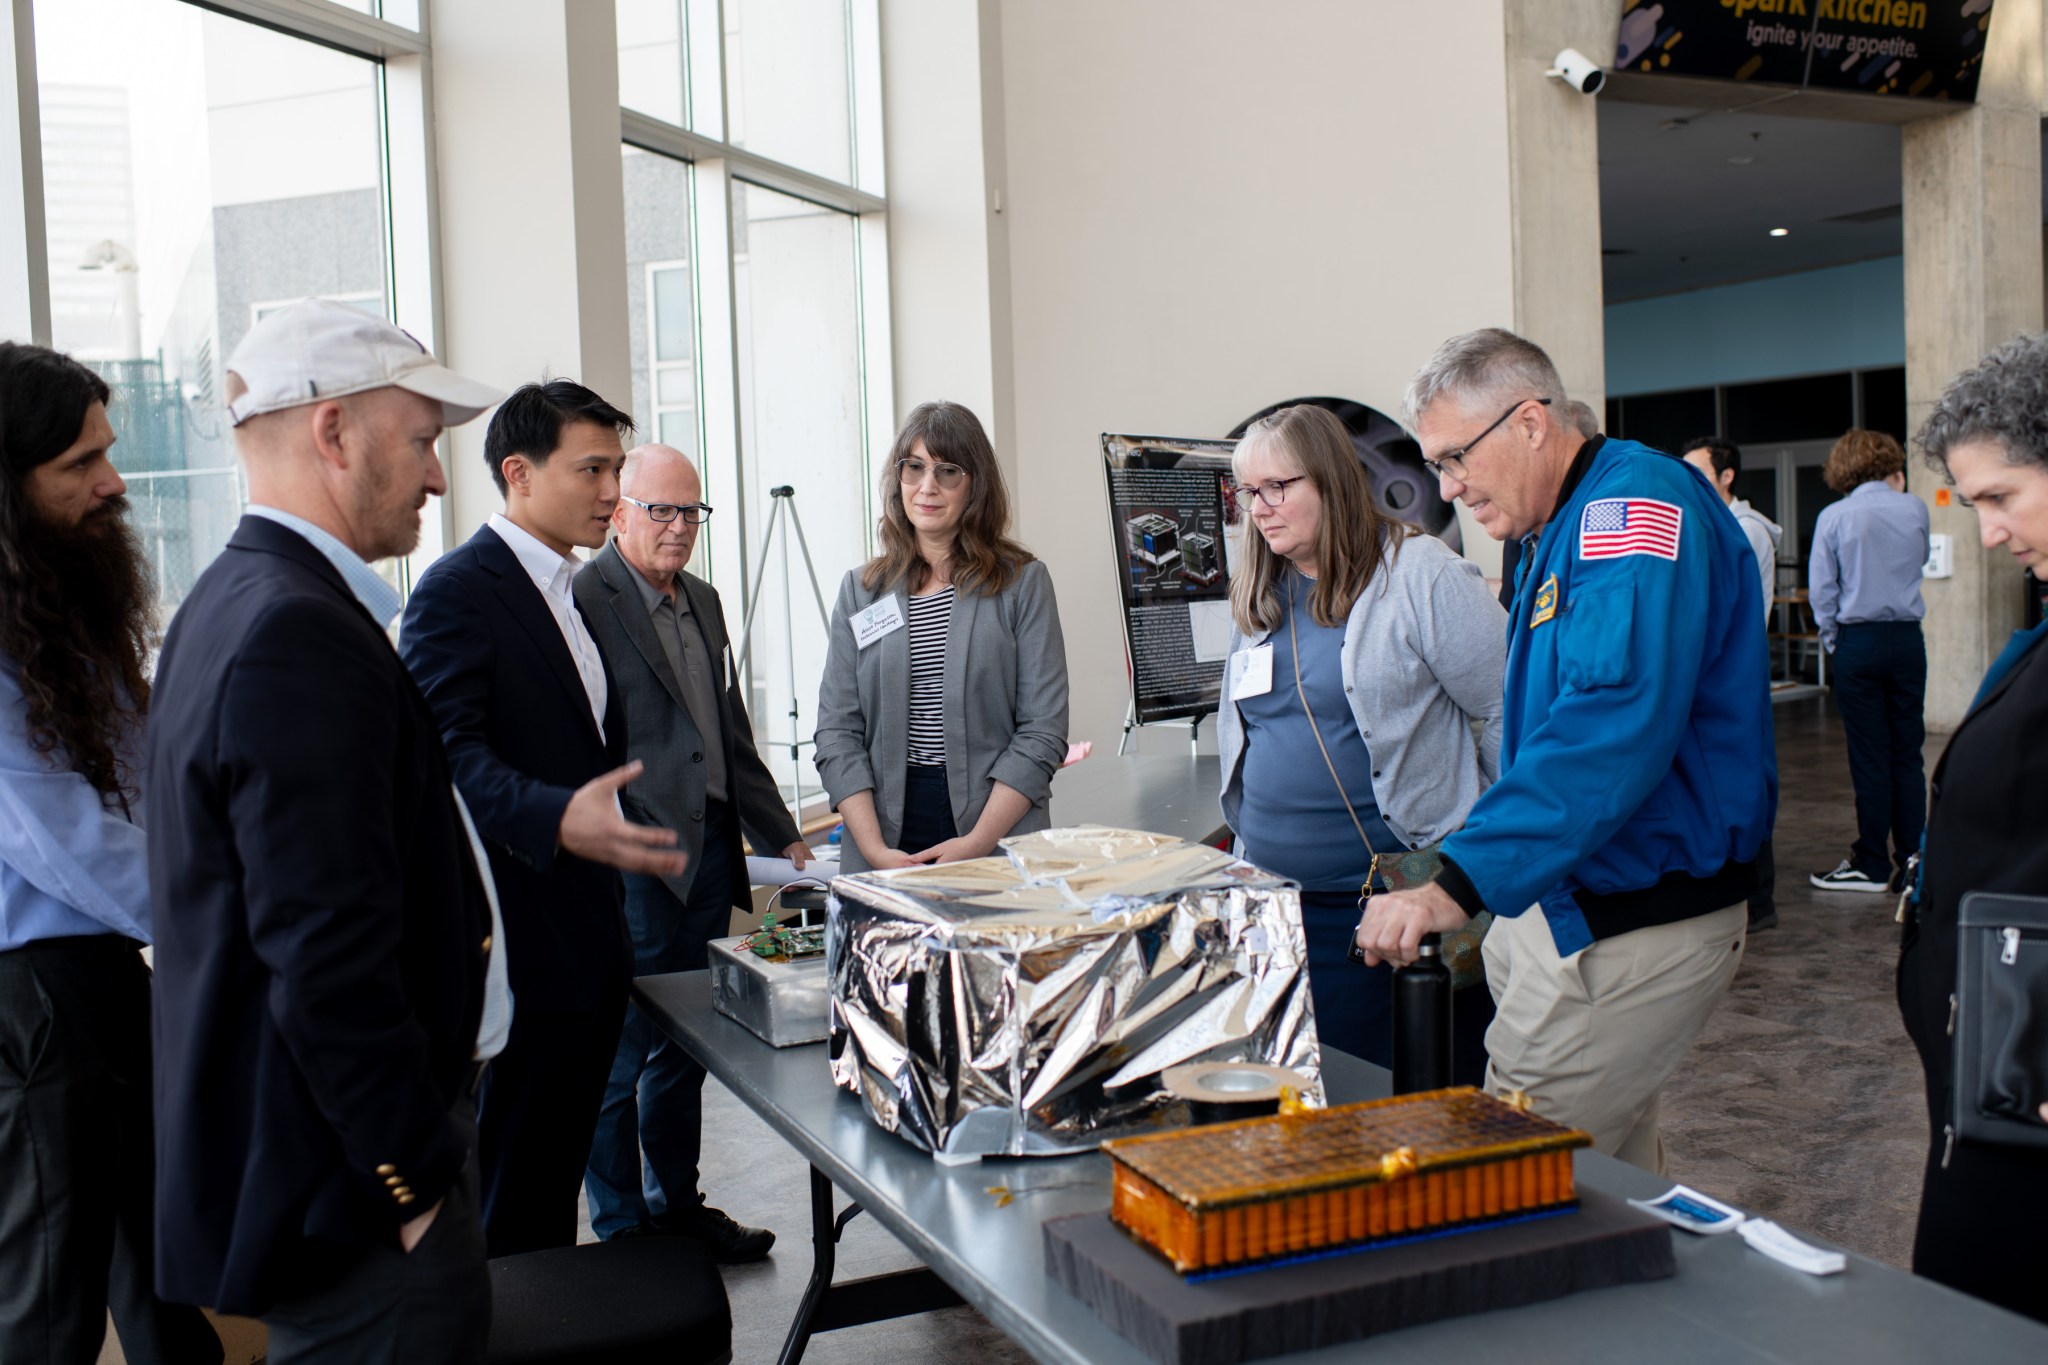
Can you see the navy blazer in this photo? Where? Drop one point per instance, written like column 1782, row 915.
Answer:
column 486, row 651
column 321, row 933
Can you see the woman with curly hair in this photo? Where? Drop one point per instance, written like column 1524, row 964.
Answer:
column 1984, row 1207
column 1865, row 588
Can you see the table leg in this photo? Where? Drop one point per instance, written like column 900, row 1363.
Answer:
column 826, row 1306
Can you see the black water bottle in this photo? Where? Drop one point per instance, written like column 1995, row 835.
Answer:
column 1422, row 1021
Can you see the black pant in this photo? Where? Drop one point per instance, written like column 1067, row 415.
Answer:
column 1763, row 901
column 927, row 808
column 1881, row 691
column 427, row 1306
column 77, row 1160
column 654, row 1102
column 536, row 1116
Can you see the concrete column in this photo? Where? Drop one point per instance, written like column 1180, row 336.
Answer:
column 533, row 226
column 1554, row 178
column 949, row 259
column 1554, row 184
column 1973, row 280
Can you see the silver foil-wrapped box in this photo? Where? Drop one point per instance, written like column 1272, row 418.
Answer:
column 1030, row 1003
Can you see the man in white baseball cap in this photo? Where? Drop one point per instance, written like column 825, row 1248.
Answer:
column 330, row 969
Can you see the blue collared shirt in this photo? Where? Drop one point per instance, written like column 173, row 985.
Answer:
column 380, row 599
column 1867, row 553
column 70, row 862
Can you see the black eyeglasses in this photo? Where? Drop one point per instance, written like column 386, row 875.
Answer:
column 1452, row 462
column 692, row 513
column 1272, row 492
column 910, row 473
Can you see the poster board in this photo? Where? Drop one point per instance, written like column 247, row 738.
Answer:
column 1917, row 49
column 1173, row 530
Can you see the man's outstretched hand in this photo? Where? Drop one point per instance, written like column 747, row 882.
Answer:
column 594, row 827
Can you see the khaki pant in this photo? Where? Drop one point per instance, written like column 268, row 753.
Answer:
column 1592, row 1038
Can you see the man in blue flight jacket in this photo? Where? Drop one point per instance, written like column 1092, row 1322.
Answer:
column 1638, row 773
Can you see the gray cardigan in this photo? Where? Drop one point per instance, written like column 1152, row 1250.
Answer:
column 1006, row 705
column 1425, row 648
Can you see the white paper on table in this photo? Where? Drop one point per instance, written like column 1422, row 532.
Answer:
column 781, row 871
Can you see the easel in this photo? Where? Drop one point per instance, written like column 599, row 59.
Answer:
column 1131, row 723
column 783, row 498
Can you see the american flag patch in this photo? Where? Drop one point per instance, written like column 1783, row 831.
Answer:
column 1614, row 527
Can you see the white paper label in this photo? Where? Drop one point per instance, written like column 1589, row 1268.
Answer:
column 1252, row 670
column 878, row 620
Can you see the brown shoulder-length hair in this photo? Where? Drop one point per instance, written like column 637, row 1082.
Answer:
column 1861, row 456
column 1353, row 539
column 985, row 559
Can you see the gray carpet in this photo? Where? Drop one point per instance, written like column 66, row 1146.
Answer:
column 1801, row 1102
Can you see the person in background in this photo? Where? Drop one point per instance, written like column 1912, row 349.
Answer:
column 536, row 732
column 662, row 630
column 1720, row 461
column 77, row 1157
column 1637, row 776
column 1361, row 653
column 942, row 715
column 1983, row 1224
column 330, row 976
column 1864, row 584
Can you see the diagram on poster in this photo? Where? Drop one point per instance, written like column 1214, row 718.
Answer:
column 1172, row 519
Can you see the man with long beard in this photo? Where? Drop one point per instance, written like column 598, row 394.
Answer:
column 76, row 1166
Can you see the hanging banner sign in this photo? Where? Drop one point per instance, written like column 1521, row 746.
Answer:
column 1921, row 49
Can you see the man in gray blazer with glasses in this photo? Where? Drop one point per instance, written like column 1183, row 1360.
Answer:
column 662, row 630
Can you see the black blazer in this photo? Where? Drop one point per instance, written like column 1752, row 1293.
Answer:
column 503, row 686
column 671, row 791
column 1987, row 830
column 320, row 933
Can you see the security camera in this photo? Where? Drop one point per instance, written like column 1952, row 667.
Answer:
column 1579, row 71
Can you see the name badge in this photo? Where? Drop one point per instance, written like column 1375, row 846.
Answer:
column 878, row 620
column 1251, row 672
column 1546, row 602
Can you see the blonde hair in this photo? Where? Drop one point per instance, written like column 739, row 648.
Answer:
column 1353, row 539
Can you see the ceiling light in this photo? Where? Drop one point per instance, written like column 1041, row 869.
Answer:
column 1740, row 160
column 1781, row 232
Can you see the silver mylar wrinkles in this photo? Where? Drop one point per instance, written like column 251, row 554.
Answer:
column 1029, row 1003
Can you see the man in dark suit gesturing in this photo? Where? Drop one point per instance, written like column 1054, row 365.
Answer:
column 536, row 734
column 663, row 631
column 328, row 976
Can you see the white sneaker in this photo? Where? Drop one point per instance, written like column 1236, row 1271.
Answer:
column 1846, row 878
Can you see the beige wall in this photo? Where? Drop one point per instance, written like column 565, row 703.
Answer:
column 1208, row 206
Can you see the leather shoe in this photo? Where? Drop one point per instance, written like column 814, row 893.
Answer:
column 731, row 1241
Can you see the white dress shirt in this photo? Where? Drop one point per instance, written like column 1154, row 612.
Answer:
column 552, row 574
column 381, row 601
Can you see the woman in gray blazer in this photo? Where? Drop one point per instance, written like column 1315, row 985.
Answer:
column 1362, row 653
column 943, row 711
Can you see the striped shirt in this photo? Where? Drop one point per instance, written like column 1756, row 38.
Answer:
column 930, row 617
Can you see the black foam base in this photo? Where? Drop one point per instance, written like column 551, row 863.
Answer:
column 1305, row 1305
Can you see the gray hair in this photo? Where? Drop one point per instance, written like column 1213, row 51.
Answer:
column 2003, row 399
column 1583, row 417
column 1490, row 366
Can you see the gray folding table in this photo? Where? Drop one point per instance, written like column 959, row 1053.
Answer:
column 1726, row 1306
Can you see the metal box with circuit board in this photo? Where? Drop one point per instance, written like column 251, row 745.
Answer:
column 773, row 982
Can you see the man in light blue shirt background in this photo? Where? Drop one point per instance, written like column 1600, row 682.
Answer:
column 76, row 1150
column 1864, row 584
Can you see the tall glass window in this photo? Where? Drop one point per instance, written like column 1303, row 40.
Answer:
column 796, row 300
column 758, row 346
column 198, row 172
